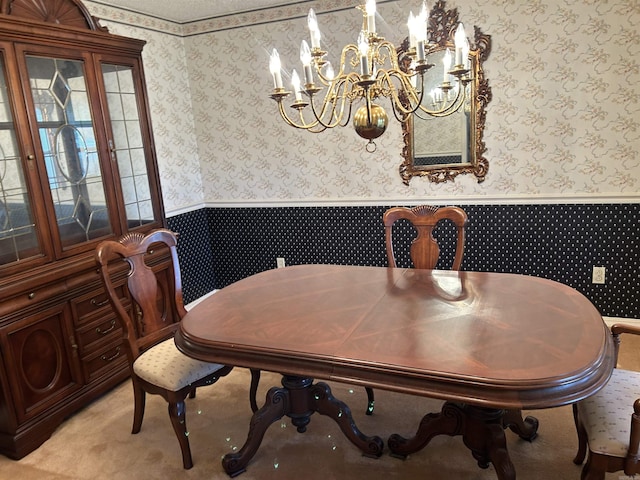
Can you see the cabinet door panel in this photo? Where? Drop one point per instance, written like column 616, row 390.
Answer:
column 44, row 366
column 127, row 143
column 68, row 141
column 18, row 236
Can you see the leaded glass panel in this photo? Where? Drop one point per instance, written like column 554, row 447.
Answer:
column 68, row 141
column 128, row 143
column 18, row 238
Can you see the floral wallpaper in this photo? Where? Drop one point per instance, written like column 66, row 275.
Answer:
column 563, row 124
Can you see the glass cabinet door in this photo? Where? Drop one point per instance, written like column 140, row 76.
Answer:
column 127, row 145
column 18, row 236
column 68, row 141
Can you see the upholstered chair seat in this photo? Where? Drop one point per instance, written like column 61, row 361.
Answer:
column 167, row 367
column 606, row 415
column 608, row 422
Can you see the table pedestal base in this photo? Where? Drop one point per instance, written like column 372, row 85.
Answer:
column 482, row 431
column 299, row 398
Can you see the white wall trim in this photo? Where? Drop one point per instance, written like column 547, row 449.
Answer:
column 181, row 211
column 458, row 200
column 197, row 301
column 610, row 321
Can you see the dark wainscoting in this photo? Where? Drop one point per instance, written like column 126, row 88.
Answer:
column 195, row 253
column 559, row 242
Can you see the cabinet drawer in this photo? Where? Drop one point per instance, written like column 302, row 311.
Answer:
column 32, row 299
column 86, row 308
column 107, row 358
column 101, row 330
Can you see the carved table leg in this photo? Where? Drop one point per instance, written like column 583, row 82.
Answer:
column 327, row 404
column 449, row 421
column 482, row 432
column 275, row 407
column 298, row 399
column 484, row 436
column 526, row 429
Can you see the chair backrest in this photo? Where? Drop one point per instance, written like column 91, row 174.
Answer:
column 157, row 303
column 424, row 248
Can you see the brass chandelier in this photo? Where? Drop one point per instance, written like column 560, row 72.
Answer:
column 370, row 71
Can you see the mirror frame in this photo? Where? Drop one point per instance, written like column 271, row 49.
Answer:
column 441, row 29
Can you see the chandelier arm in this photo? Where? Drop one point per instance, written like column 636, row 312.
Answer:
column 396, row 113
column 319, row 130
column 303, row 125
column 354, row 51
column 329, row 104
column 412, row 97
column 348, row 116
column 319, row 63
column 391, row 54
column 450, row 107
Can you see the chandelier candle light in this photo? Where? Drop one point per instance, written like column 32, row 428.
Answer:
column 369, row 70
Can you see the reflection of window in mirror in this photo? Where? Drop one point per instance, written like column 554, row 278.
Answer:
column 443, row 147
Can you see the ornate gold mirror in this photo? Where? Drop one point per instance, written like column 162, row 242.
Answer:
column 441, row 148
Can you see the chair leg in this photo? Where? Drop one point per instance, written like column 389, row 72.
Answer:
column 582, row 437
column 370, row 400
column 139, row 400
column 253, row 390
column 177, row 414
column 595, row 468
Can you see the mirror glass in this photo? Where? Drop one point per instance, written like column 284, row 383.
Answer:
column 441, row 148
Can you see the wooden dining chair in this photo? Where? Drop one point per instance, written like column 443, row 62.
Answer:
column 149, row 321
column 608, row 422
column 424, row 249
column 424, row 253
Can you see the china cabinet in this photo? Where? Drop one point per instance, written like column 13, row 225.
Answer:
column 77, row 166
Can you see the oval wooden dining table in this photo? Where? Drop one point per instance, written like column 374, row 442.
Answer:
column 489, row 344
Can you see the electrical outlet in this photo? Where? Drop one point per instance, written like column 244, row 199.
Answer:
column 598, row 275
column 280, row 262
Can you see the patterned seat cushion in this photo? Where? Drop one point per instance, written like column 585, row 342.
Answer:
column 606, row 415
column 167, row 367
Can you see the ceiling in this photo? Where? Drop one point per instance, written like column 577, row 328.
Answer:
column 185, row 11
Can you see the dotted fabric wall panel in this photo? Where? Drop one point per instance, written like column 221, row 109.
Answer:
column 559, row 242
column 194, row 254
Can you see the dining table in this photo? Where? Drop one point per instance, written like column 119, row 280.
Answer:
column 488, row 344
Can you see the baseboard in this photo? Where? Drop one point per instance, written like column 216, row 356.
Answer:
column 613, row 320
column 197, row 301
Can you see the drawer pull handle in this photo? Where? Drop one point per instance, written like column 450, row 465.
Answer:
column 113, row 357
column 112, row 326
column 31, row 296
column 99, row 304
